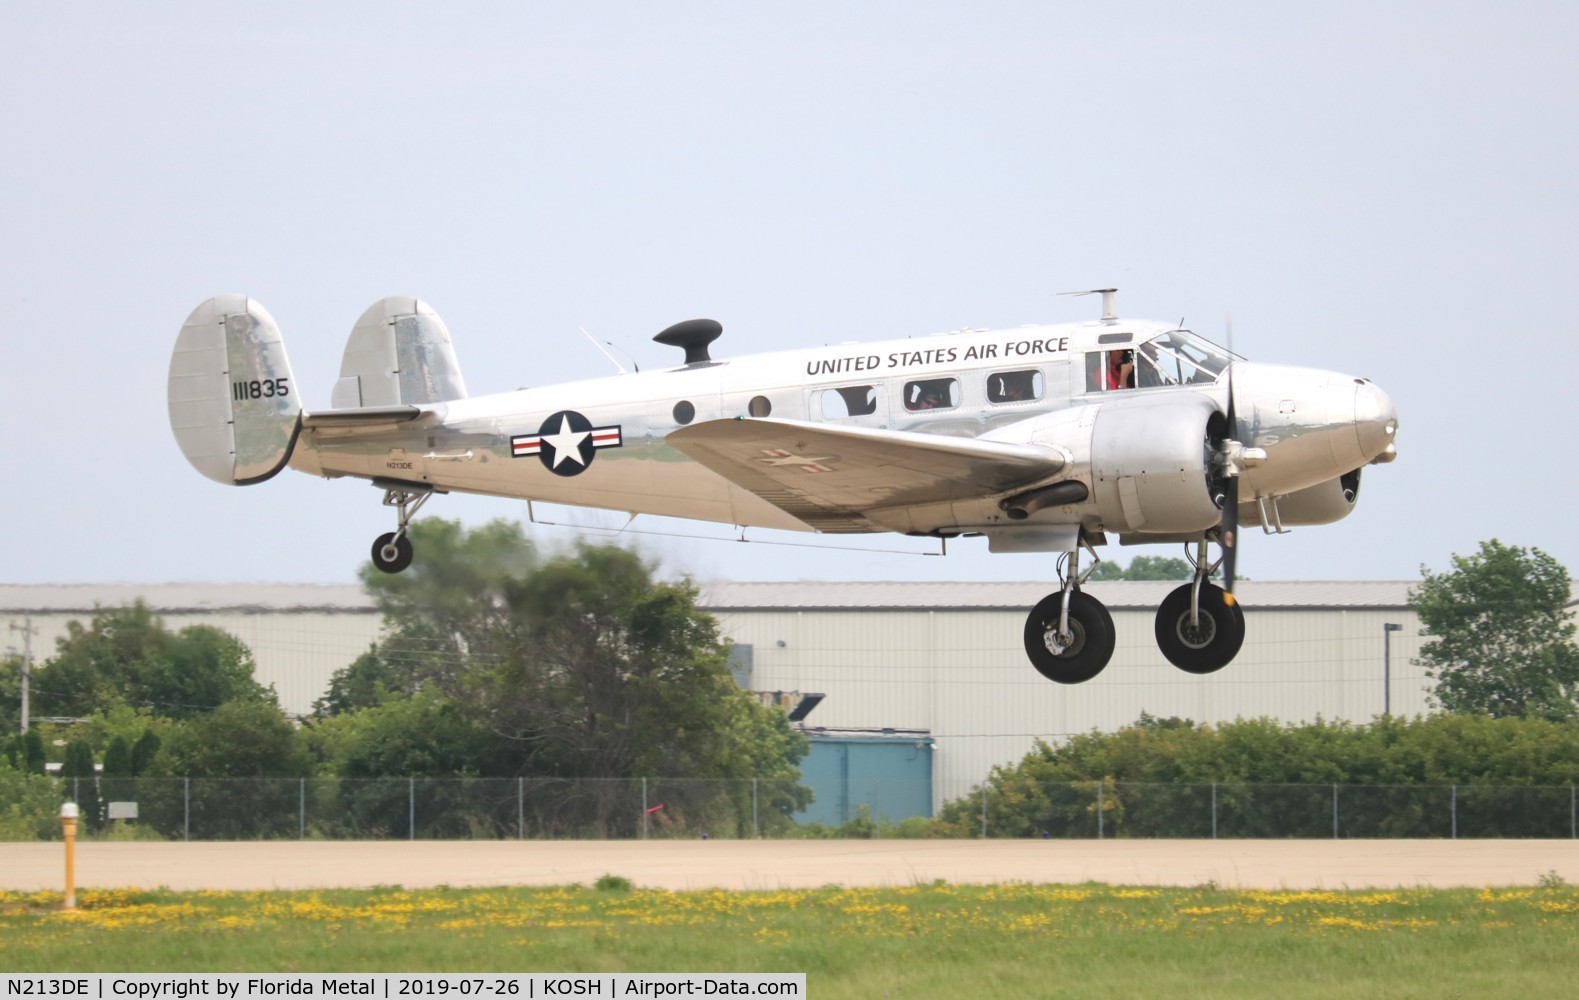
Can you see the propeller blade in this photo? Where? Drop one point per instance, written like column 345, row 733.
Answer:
column 1228, row 531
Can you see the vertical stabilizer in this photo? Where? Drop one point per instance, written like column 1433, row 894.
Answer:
column 234, row 405
column 399, row 354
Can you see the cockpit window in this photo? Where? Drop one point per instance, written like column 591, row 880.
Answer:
column 1179, row 357
column 1108, row 370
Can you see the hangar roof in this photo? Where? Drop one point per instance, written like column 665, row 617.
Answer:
column 170, row 598
column 1384, row 594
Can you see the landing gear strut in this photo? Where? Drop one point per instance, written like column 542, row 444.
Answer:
column 1069, row 634
column 392, row 551
column 1200, row 626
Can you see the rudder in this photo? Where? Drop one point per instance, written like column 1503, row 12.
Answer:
column 234, row 404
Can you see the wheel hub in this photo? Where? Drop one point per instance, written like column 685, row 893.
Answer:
column 1068, row 644
column 1199, row 635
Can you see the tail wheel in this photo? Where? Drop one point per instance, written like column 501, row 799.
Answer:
column 392, row 554
column 1089, row 642
column 1211, row 641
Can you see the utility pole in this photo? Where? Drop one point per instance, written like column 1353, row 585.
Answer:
column 28, row 631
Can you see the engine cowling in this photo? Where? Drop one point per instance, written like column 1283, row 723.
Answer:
column 1151, row 465
column 1146, row 462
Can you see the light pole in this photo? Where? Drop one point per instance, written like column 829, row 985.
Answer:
column 1388, row 628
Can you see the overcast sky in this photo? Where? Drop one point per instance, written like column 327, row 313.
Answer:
column 1382, row 189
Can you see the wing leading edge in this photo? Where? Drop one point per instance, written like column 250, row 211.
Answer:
column 833, row 477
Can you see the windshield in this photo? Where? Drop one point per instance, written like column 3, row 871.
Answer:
column 1179, row 357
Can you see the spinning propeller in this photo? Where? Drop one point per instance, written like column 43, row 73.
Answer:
column 1233, row 458
column 1228, row 531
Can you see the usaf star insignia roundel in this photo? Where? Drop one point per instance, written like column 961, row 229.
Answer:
column 565, row 443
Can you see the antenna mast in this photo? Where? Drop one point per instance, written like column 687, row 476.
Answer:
column 1108, row 294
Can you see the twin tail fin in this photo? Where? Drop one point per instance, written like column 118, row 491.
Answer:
column 236, row 408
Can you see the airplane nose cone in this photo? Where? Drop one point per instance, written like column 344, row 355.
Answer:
column 1375, row 419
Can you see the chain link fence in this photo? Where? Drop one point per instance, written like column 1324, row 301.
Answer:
column 539, row 808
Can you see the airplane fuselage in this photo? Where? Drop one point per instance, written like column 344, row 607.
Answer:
column 602, row 442
column 1041, row 438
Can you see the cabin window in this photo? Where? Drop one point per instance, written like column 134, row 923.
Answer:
column 684, row 412
column 759, row 406
column 849, row 401
column 932, row 394
column 1107, row 370
column 1014, row 387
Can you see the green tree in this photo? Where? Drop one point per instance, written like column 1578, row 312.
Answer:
column 10, row 693
column 1501, row 639
column 127, row 656
column 608, row 673
column 144, row 751
column 29, row 805
column 582, row 669
column 234, row 758
column 1144, row 568
column 368, row 682
column 244, row 738
column 32, row 755
column 1395, row 777
column 447, row 612
column 421, row 736
column 424, row 736
column 82, row 783
column 118, row 758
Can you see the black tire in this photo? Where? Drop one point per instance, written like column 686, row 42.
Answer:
column 396, row 561
column 1092, row 628
column 1209, row 645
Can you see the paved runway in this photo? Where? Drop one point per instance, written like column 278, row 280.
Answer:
column 772, row 864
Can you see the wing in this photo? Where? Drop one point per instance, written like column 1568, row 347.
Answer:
column 831, row 476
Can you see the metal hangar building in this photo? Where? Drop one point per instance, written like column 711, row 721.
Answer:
column 934, row 669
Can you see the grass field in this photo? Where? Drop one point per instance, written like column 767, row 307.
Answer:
column 938, row 940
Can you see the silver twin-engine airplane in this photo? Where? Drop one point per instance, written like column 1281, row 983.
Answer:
column 1040, row 438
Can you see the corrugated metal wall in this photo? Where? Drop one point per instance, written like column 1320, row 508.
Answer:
column 959, row 673
column 296, row 650
column 962, row 675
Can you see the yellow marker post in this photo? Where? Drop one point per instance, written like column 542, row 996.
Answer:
column 68, row 825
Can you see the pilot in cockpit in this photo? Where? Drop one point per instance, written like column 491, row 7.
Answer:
column 1120, row 372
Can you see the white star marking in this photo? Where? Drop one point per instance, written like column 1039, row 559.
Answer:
column 566, row 442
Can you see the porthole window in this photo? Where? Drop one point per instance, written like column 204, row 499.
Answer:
column 684, row 412
column 760, row 406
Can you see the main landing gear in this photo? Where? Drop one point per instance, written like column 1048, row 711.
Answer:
column 1069, row 635
column 392, row 551
column 1200, row 626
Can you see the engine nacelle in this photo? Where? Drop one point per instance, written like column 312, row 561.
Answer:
column 1323, row 503
column 1146, row 462
column 1151, row 463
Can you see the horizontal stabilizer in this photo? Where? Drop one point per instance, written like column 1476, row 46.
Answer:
column 830, row 477
column 361, row 416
